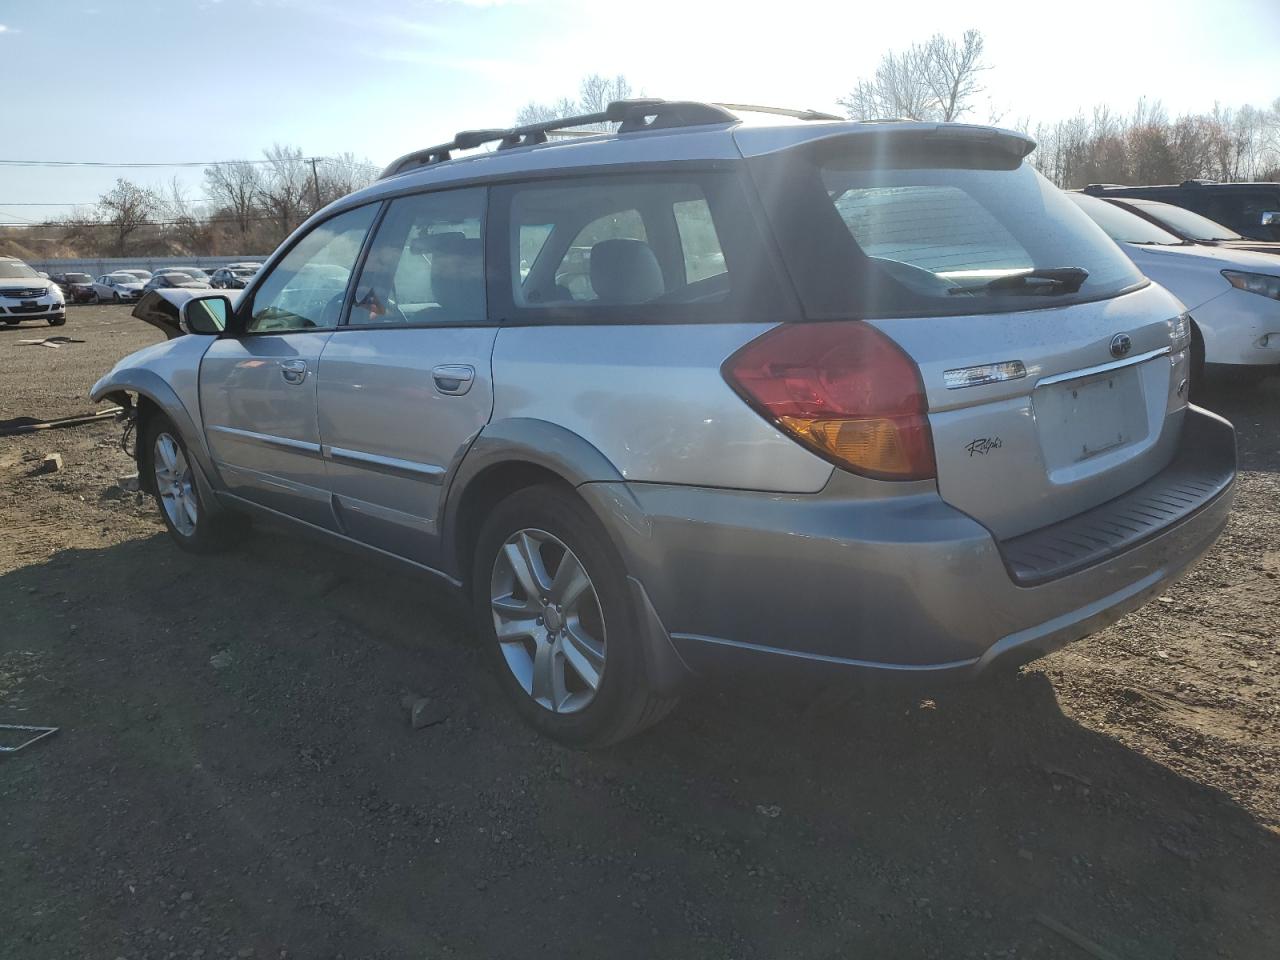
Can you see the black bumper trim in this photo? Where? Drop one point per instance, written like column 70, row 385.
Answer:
column 1201, row 471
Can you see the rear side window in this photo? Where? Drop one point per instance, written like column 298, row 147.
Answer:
column 670, row 246
column 876, row 226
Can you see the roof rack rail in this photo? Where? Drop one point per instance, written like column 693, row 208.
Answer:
column 631, row 115
column 1100, row 187
column 1196, row 182
column 780, row 111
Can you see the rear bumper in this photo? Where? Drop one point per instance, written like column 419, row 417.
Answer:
column 906, row 584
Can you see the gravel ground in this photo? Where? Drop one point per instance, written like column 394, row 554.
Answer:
column 235, row 775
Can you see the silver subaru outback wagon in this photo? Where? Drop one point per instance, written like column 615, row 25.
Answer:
column 697, row 395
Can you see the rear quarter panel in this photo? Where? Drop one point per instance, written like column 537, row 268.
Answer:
column 651, row 399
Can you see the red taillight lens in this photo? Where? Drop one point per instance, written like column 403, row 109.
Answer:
column 843, row 389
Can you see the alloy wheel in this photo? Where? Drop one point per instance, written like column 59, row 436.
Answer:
column 175, row 484
column 548, row 621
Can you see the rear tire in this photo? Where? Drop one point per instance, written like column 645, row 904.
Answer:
column 595, row 627
column 163, row 458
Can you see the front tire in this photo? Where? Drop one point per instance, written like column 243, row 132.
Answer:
column 115, row 298
column 190, row 522
column 94, row 298
column 553, row 611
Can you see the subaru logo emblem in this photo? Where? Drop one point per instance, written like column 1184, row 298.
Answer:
column 1120, row 345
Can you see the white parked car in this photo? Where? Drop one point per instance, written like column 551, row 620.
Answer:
column 119, row 287
column 1233, row 296
column 25, row 294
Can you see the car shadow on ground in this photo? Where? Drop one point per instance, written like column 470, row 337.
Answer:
column 235, row 772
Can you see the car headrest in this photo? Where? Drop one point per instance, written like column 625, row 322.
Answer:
column 625, row 271
column 457, row 275
column 428, row 243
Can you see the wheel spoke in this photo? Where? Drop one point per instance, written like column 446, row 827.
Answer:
column 583, row 655
column 548, row 677
column 514, row 628
column 570, row 581
column 167, row 451
column 526, row 564
column 508, row 607
column 189, row 505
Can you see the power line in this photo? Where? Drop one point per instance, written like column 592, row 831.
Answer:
column 78, row 203
column 143, row 223
column 176, row 163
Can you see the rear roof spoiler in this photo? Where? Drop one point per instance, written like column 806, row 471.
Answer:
column 760, row 141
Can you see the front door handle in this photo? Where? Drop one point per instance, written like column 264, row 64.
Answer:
column 454, row 379
column 293, row 371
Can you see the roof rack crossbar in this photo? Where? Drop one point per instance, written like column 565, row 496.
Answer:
column 631, row 115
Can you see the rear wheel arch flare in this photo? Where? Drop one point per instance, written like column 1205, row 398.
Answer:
column 486, row 490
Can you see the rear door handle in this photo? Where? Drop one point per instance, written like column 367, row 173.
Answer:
column 454, row 379
column 293, row 371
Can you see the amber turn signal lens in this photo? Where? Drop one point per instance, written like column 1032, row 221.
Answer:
column 843, row 389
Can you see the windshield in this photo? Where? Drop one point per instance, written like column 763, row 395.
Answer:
column 16, row 270
column 244, row 272
column 936, row 230
column 78, row 278
column 1124, row 226
column 1185, row 222
column 123, row 278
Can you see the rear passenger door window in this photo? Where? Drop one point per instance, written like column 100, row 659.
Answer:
column 426, row 263
column 630, row 248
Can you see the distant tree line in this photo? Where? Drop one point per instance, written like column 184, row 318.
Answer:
column 250, row 207
column 246, row 207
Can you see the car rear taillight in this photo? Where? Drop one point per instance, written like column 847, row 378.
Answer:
column 844, row 390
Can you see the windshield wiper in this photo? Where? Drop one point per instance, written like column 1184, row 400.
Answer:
column 1057, row 280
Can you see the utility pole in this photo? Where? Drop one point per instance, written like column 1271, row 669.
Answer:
column 315, row 182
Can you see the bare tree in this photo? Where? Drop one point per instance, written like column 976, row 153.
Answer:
column 191, row 232
column 595, row 93
column 952, row 72
column 234, row 189
column 533, row 112
column 897, row 89
column 287, row 190
column 935, row 80
column 124, row 208
column 344, row 174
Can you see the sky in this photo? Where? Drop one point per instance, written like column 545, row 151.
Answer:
column 159, row 81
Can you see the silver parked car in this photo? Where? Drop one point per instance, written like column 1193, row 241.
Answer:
column 698, row 394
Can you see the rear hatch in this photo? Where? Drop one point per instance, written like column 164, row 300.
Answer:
column 1052, row 369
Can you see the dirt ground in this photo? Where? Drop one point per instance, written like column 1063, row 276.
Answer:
column 235, row 775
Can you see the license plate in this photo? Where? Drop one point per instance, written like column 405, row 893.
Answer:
column 30, row 304
column 1082, row 419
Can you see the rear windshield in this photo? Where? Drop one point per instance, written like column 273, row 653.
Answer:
column 876, row 229
column 1187, row 223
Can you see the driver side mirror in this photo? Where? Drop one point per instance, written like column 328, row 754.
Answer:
column 1271, row 218
column 205, row 315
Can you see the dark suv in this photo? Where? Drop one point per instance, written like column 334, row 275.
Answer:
column 1251, row 209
